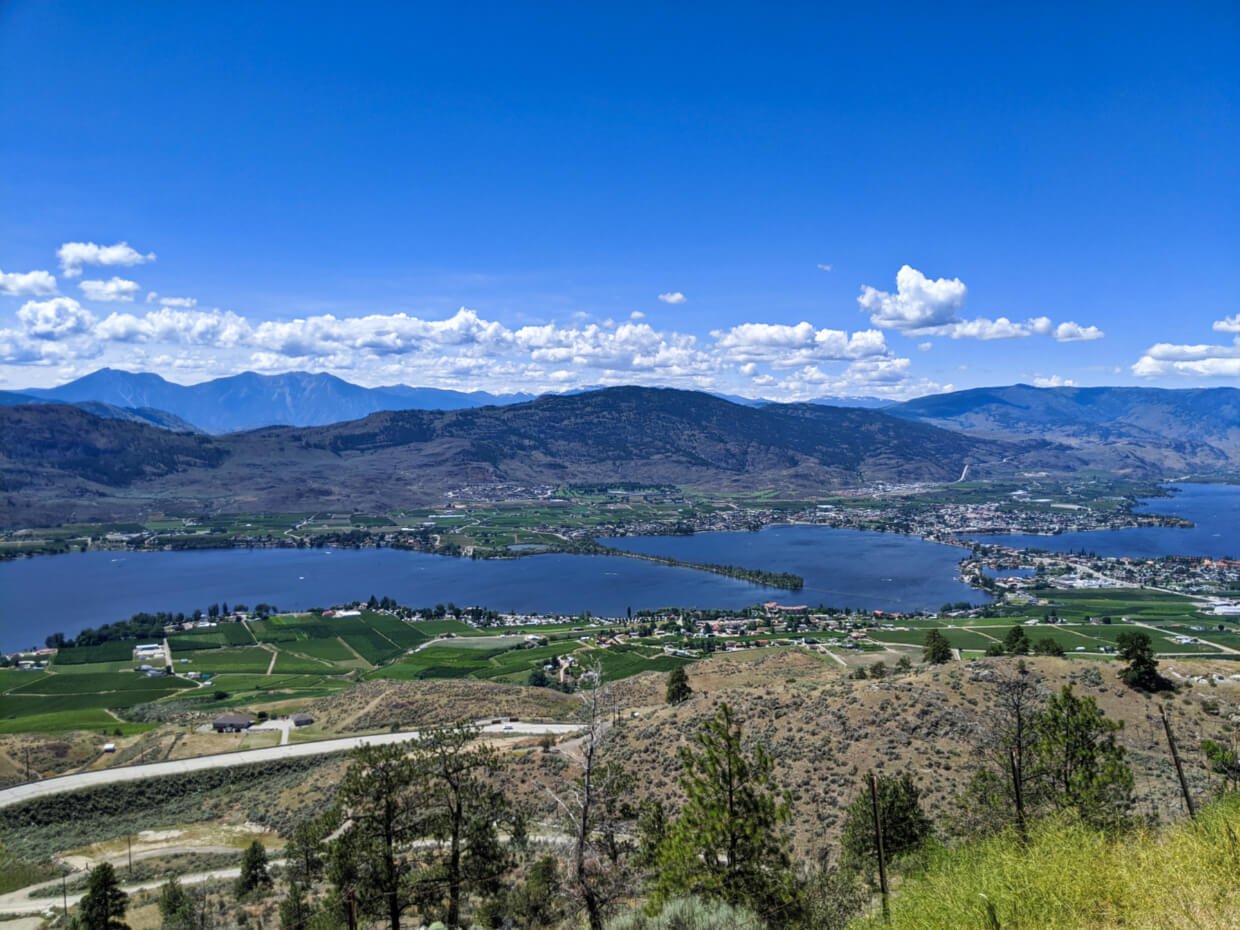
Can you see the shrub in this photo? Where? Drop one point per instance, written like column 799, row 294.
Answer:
column 690, row 913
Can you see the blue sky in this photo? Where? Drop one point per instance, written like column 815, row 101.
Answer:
column 773, row 200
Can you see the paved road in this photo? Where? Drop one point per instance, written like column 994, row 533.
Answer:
column 51, row 786
column 20, row 902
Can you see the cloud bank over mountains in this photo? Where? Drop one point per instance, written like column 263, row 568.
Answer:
column 467, row 348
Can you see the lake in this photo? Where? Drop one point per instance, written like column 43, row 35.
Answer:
column 1214, row 510
column 842, row 568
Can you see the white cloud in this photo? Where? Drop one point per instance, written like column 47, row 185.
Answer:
column 925, row 346
column 823, row 266
column 918, row 303
column 748, row 369
column 27, row 284
column 1053, row 381
column 113, row 290
column 1166, row 359
column 171, row 326
column 54, row 319
column 784, row 346
column 637, row 315
column 184, row 303
column 673, row 297
column 1075, row 332
column 1229, row 324
column 73, row 255
column 924, row 307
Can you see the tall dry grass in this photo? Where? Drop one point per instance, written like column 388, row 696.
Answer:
column 1181, row 877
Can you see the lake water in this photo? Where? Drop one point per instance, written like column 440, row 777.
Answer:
column 1214, row 510
column 843, row 568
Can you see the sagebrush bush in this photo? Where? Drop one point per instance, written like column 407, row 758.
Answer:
column 690, row 913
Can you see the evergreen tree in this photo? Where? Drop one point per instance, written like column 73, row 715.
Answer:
column 905, row 825
column 176, row 910
column 366, row 867
column 294, row 909
column 678, row 690
column 937, row 649
column 1142, row 670
column 728, row 841
column 104, row 903
column 1076, row 755
column 1046, row 646
column 1016, row 643
column 254, row 874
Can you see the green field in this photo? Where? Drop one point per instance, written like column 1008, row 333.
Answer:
column 244, row 659
column 107, row 652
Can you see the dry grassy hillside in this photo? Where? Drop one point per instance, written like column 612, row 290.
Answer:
column 824, row 730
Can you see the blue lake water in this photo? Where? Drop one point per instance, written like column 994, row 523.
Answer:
column 843, row 568
column 1214, row 510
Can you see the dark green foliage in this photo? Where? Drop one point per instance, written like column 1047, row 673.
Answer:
column 937, row 649
column 104, row 903
column 1076, row 757
column 728, row 841
column 678, row 689
column 1016, row 643
column 1047, row 646
column 1223, row 761
column 905, row 825
column 1142, row 671
column 535, row 902
column 295, row 910
column 254, row 875
column 176, row 909
column 993, row 650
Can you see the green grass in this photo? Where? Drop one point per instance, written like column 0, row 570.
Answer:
column 244, row 659
column 105, row 652
column 433, row 628
column 99, row 683
column 94, row 719
column 333, row 650
column 288, row 663
column 1070, row 877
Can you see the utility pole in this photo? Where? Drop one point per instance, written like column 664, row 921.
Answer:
column 878, row 843
column 1175, row 757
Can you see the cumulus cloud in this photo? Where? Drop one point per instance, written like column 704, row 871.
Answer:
column 1053, row 381
column 74, row 255
column 823, row 266
column 1168, row 359
column 784, row 346
column 918, row 303
column 176, row 327
column 637, row 315
column 924, row 307
column 57, row 318
column 113, row 290
column 1229, row 324
column 185, row 303
column 1075, row 332
column 27, row 284
column 673, row 297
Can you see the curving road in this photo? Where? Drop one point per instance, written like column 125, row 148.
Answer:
column 64, row 783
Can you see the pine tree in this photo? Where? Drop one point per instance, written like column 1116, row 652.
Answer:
column 678, row 690
column 1142, row 670
column 254, row 873
column 104, row 904
column 176, row 910
column 937, row 649
column 905, row 825
column 1016, row 643
column 728, row 841
column 1076, row 755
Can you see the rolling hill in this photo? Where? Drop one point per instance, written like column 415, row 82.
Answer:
column 1122, row 428
column 66, row 461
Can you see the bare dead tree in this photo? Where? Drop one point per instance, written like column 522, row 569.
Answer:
column 594, row 810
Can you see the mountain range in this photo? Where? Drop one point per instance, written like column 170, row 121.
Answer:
column 249, row 400
column 60, row 463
